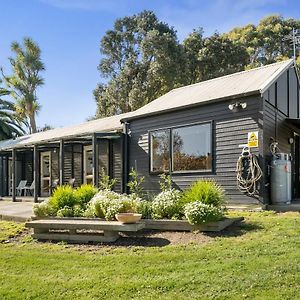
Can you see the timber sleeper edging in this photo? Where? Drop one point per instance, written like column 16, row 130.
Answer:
column 87, row 230
column 82, row 231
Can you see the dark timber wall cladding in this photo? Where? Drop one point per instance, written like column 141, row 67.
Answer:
column 230, row 129
column 281, row 101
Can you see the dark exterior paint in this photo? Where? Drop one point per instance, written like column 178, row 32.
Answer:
column 284, row 93
column 229, row 130
column 265, row 113
column 110, row 158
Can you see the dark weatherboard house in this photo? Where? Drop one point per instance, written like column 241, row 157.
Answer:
column 192, row 132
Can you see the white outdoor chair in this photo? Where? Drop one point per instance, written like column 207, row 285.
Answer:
column 72, row 182
column 21, row 187
column 55, row 184
column 29, row 189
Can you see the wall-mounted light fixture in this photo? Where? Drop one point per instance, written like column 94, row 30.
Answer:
column 235, row 106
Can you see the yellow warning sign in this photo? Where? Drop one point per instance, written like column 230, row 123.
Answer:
column 253, row 139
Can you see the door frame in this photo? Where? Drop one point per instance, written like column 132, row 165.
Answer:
column 42, row 178
column 86, row 149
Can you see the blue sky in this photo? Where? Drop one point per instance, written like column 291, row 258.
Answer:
column 69, row 33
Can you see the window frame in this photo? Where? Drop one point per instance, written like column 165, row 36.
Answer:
column 151, row 150
column 182, row 172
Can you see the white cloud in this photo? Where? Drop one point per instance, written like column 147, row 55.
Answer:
column 220, row 15
column 88, row 5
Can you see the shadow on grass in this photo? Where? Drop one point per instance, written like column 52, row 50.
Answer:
column 141, row 241
column 235, row 230
column 156, row 238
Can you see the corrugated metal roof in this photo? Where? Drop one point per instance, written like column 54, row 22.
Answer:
column 109, row 124
column 230, row 86
column 237, row 84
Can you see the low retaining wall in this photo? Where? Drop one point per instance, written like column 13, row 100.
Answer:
column 183, row 225
column 173, row 225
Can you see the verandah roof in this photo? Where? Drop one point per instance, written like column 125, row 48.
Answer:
column 104, row 125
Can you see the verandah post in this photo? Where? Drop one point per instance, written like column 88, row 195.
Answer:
column 95, row 160
column 13, row 175
column 61, row 162
column 35, row 173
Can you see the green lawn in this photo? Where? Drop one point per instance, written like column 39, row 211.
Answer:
column 259, row 261
column 9, row 229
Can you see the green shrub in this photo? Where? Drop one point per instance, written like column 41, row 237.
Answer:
column 165, row 182
column 84, row 194
column 198, row 213
column 78, row 211
column 167, row 205
column 145, row 208
column 135, row 183
column 65, row 212
column 63, row 196
column 106, row 183
column 205, row 191
column 44, row 209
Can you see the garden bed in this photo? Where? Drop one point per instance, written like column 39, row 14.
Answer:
column 173, row 225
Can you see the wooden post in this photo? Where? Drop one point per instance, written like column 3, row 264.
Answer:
column 14, row 177
column 95, row 160
column 61, row 162
column 125, row 157
column 35, row 173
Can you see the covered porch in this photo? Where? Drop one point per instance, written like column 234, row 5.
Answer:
column 32, row 166
column 33, row 172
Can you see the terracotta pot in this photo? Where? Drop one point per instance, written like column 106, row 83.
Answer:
column 128, row 218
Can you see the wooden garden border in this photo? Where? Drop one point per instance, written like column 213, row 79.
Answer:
column 173, row 225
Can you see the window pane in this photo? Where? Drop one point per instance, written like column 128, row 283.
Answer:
column 160, row 151
column 192, row 148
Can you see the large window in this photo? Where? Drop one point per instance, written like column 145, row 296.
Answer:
column 190, row 149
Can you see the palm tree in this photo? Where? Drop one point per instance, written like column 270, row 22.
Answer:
column 25, row 80
column 10, row 123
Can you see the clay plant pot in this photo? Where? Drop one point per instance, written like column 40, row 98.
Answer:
column 128, row 218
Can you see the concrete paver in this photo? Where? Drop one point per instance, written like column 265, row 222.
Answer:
column 16, row 211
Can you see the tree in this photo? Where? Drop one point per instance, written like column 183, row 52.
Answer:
column 220, row 56
column 45, row 127
column 265, row 43
column 142, row 61
column 25, row 80
column 191, row 47
column 10, row 124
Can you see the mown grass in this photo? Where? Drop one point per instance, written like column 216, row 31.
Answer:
column 261, row 260
column 9, row 230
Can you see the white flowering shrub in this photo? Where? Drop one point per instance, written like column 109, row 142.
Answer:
column 44, row 209
column 199, row 213
column 106, row 204
column 167, row 205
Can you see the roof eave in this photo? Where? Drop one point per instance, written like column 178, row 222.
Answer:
column 255, row 92
column 56, row 140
